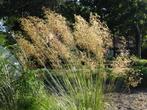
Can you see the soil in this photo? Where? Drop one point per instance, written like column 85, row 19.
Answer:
column 136, row 99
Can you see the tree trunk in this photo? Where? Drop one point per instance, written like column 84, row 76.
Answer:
column 138, row 41
column 114, row 46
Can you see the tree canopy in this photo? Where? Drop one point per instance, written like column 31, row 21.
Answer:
column 124, row 17
column 24, row 7
column 120, row 15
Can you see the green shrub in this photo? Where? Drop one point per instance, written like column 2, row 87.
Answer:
column 2, row 38
column 141, row 65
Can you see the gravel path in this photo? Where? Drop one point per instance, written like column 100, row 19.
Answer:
column 136, row 100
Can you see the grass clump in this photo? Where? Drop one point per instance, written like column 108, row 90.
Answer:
column 29, row 92
column 63, row 68
column 50, row 41
column 69, row 62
